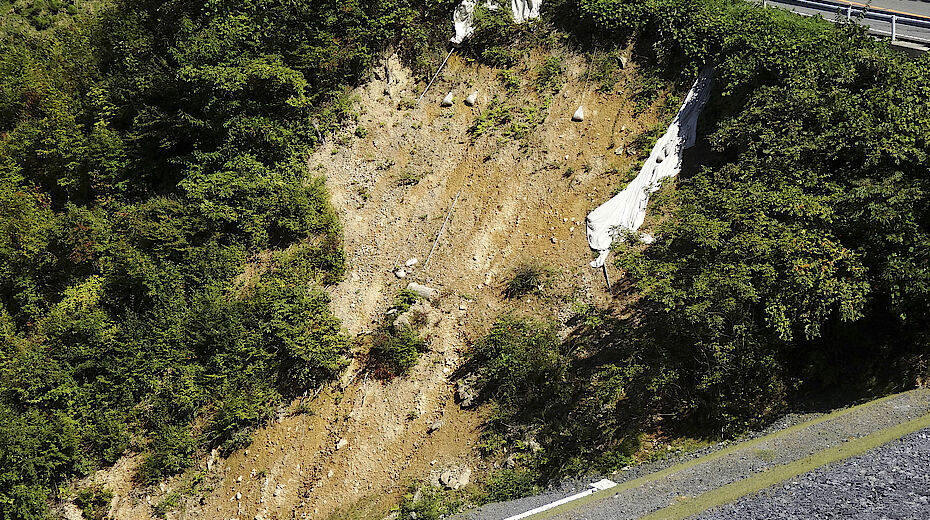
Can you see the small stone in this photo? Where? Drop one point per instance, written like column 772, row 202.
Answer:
column 472, row 99
column 239, row 478
column 554, row 240
column 238, row 496
column 618, row 151
column 411, row 262
column 341, row 444
column 571, row 229
column 400, row 273
column 436, row 426
column 329, row 474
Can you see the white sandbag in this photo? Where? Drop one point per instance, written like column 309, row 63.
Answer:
column 472, row 99
column 447, row 101
column 463, row 16
column 627, row 210
column 578, row 116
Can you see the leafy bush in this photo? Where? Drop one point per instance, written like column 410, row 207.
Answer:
column 94, row 502
column 396, row 350
column 519, row 362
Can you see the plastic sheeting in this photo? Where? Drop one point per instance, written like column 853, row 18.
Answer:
column 627, row 210
column 464, row 15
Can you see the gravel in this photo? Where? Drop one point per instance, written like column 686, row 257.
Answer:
column 891, row 481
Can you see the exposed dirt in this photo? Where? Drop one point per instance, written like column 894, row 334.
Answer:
column 519, row 201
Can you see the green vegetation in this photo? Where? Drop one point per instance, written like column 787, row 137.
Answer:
column 94, row 502
column 396, row 346
column 527, row 279
column 164, row 247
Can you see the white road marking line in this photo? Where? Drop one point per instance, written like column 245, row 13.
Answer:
column 600, row 485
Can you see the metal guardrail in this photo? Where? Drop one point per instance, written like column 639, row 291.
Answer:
column 853, row 12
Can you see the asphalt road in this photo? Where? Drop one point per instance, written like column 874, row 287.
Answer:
column 892, row 7
column 896, row 473
column 891, row 481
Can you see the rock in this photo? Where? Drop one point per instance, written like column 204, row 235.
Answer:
column 426, row 292
column 455, row 478
column 618, row 151
column 277, row 490
column 402, row 322
column 554, row 240
column 448, row 100
column 239, row 478
column 623, row 62
column 238, row 495
column 436, row 426
column 465, row 391
column 400, row 273
column 511, row 461
column 341, row 444
column 411, row 262
column 462, row 307
column 472, row 99
column 578, row 116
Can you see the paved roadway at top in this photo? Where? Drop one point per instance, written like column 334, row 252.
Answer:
column 917, row 7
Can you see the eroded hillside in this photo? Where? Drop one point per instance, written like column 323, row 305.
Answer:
column 522, row 176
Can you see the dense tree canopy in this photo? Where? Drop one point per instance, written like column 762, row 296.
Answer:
column 163, row 245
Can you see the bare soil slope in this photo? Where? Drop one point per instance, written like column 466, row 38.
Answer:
column 393, row 181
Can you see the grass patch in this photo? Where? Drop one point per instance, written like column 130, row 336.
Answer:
column 528, row 279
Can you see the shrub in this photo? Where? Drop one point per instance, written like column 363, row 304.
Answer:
column 396, row 350
column 519, row 362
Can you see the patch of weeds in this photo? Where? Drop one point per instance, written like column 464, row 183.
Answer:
column 527, row 279
column 427, row 502
column 94, row 501
column 510, row 81
column 510, row 484
column 406, row 104
column 405, row 299
column 643, row 143
column 408, row 178
column 549, row 75
column 302, row 408
column 605, row 69
column 386, row 165
column 363, row 193
column 765, row 454
column 496, row 114
column 645, row 90
column 616, row 458
column 361, row 132
column 170, row 502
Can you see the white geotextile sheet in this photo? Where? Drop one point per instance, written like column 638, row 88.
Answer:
column 627, row 210
column 464, row 14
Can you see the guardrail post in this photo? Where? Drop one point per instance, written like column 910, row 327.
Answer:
column 894, row 28
column 765, row 3
column 849, row 12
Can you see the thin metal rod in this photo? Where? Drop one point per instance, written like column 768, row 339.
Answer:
column 428, row 85
column 607, row 278
column 444, row 222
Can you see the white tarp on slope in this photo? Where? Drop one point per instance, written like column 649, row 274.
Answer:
column 463, row 16
column 627, row 210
